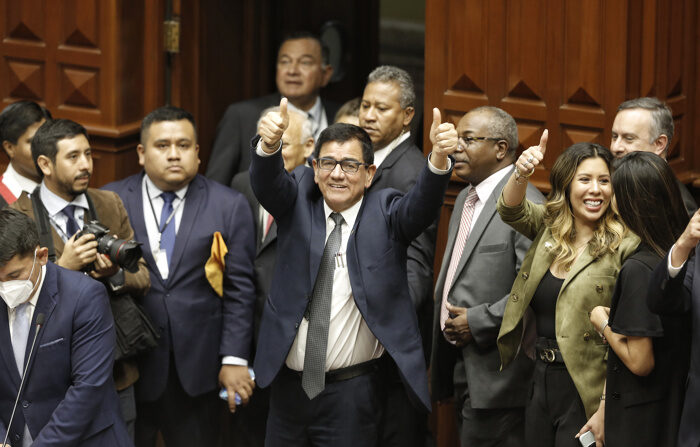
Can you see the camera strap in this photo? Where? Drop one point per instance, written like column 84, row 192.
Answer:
column 41, row 217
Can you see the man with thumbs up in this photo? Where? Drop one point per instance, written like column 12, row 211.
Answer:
column 340, row 314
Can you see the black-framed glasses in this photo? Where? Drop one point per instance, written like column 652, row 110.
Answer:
column 466, row 141
column 348, row 166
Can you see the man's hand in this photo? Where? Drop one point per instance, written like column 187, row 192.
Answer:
column 236, row 380
column 444, row 138
column 456, row 326
column 272, row 126
column 596, row 424
column 104, row 267
column 78, row 253
column 688, row 240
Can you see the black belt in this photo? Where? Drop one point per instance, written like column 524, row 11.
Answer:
column 547, row 350
column 347, row 373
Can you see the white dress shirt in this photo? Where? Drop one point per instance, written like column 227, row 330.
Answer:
column 381, row 154
column 350, row 340
column 17, row 183
column 54, row 205
column 485, row 188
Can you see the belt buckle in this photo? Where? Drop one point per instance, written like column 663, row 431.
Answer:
column 547, row 355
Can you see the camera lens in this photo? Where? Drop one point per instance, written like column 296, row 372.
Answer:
column 125, row 253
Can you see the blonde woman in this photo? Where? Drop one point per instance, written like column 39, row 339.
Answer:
column 579, row 244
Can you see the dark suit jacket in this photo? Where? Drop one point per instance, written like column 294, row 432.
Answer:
column 681, row 296
column 265, row 250
column 112, row 214
column 490, row 262
column 69, row 396
column 376, row 260
column 688, row 199
column 399, row 170
column 196, row 324
column 229, row 154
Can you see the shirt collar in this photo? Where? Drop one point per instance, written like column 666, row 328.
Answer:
column 381, row 154
column 485, row 188
column 315, row 110
column 23, row 182
column 55, row 204
column 35, row 298
column 349, row 215
column 155, row 191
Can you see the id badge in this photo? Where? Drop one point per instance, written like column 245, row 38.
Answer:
column 162, row 262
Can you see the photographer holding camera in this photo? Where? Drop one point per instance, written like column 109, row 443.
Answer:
column 80, row 224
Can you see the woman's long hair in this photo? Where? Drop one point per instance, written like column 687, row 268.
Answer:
column 649, row 200
column 559, row 216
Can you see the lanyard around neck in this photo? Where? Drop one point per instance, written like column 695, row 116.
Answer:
column 153, row 210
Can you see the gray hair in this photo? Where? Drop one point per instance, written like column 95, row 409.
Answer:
column 661, row 117
column 306, row 126
column 501, row 125
column 389, row 73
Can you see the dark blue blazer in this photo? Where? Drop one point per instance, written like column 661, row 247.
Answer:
column 376, row 258
column 69, row 396
column 201, row 326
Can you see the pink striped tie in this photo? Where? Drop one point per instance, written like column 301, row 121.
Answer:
column 465, row 225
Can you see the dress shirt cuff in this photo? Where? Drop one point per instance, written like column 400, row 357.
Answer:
column 673, row 271
column 435, row 170
column 259, row 150
column 235, row 361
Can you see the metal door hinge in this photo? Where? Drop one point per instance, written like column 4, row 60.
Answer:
column 171, row 35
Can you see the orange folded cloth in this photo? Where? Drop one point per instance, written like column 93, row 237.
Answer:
column 214, row 268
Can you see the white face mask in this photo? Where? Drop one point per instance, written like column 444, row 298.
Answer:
column 17, row 291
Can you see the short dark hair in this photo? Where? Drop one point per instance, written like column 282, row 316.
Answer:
column 165, row 113
column 389, row 74
column 17, row 117
column 18, row 235
column 501, row 125
column 649, row 200
column 341, row 132
column 45, row 141
column 661, row 116
column 325, row 52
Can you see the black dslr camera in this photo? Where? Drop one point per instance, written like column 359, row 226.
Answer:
column 124, row 253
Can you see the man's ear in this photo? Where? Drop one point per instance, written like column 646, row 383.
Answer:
column 327, row 74
column 501, row 150
column 661, row 146
column 42, row 255
column 141, row 151
column 9, row 149
column 408, row 113
column 45, row 165
column 308, row 147
column 315, row 166
column 371, row 170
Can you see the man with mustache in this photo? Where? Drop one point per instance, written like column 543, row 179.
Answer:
column 62, row 154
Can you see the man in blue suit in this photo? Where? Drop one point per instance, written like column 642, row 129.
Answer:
column 339, row 316
column 62, row 318
column 206, row 338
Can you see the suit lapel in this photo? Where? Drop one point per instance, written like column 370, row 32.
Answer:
column 318, row 238
column 391, row 159
column 193, row 201
column 45, row 305
column 581, row 263
column 134, row 203
column 270, row 237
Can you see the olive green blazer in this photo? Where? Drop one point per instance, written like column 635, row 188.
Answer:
column 590, row 283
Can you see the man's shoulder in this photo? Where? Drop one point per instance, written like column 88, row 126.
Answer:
column 103, row 196
column 23, row 204
column 123, row 185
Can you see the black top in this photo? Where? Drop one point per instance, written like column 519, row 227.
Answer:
column 644, row 411
column 544, row 304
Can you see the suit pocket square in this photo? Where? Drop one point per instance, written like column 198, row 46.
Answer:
column 51, row 343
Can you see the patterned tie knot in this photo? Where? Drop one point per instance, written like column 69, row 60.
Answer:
column 337, row 218
column 472, row 197
column 168, row 197
column 69, row 211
